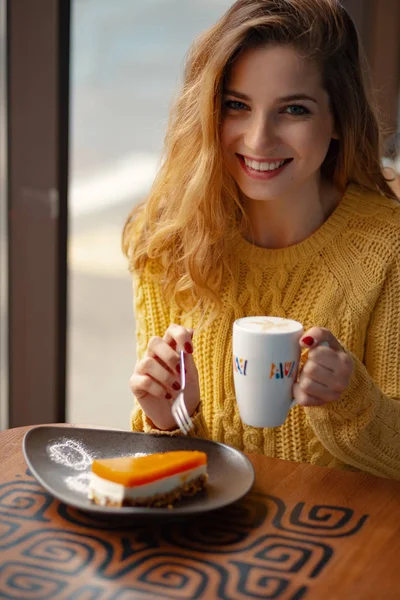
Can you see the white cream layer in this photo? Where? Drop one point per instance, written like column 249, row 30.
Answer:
column 103, row 489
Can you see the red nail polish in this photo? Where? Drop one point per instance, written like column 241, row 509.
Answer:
column 168, row 396
column 308, row 340
column 176, row 386
column 173, row 344
column 178, row 368
column 189, row 348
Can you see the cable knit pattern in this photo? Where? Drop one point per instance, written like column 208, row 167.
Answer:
column 345, row 277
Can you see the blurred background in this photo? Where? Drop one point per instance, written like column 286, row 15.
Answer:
column 85, row 90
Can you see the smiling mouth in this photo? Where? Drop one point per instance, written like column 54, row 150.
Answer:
column 264, row 166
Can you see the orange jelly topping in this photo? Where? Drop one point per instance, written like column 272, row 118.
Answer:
column 131, row 471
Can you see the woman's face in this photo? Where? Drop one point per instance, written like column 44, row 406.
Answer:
column 277, row 123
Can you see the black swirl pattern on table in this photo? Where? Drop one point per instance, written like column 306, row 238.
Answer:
column 316, row 521
column 7, row 529
column 167, row 575
column 221, row 530
column 169, row 579
column 22, row 581
column 256, row 548
column 253, row 581
column 224, row 531
column 291, row 555
column 60, row 551
column 24, row 500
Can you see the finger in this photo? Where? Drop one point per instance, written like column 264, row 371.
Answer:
column 323, row 357
column 173, row 343
column 304, row 399
column 318, row 390
column 339, row 364
column 145, row 387
column 323, row 376
column 157, row 371
column 181, row 336
column 159, row 349
column 317, row 335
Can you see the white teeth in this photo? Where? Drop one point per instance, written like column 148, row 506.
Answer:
column 262, row 166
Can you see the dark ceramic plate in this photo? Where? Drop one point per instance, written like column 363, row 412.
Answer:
column 60, row 459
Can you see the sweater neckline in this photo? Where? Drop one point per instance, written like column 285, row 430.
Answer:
column 334, row 224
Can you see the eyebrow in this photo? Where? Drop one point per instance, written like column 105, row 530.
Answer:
column 289, row 98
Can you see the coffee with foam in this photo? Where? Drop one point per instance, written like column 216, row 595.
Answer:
column 269, row 325
column 266, row 355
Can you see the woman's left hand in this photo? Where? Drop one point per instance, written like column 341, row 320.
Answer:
column 327, row 371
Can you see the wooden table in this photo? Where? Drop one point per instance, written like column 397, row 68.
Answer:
column 302, row 533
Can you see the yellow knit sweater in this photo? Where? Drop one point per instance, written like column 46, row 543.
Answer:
column 345, row 277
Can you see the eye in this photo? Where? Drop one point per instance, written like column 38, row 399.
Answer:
column 235, row 105
column 296, row 110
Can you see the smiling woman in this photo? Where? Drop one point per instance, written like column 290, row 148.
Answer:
column 329, row 57
column 271, row 201
column 275, row 139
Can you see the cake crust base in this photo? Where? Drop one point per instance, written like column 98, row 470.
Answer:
column 168, row 499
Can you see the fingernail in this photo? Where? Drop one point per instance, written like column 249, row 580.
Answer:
column 168, row 396
column 178, row 368
column 189, row 348
column 176, row 386
column 308, row 340
column 173, row 344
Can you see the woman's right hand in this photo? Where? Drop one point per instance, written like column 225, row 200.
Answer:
column 155, row 381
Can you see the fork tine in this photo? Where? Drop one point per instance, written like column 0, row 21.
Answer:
column 186, row 417
column 188, row 427
column 185, row 413
column 179, row 417
column 179, row 410
column 183, row 427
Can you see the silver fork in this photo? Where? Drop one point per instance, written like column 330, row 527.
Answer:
column 178, row 409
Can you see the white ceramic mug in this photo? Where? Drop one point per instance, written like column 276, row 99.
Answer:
column 266, row 354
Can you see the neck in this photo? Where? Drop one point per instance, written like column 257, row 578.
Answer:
column 287, row 221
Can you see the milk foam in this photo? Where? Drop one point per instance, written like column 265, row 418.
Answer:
column 269, row 325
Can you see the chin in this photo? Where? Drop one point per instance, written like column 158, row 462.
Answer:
column 264, row 195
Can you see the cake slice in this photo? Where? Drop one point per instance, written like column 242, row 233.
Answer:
column 153, row 480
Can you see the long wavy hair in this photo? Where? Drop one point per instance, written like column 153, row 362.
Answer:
column 193, row 211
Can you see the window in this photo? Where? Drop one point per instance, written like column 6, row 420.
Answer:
column 127, row 59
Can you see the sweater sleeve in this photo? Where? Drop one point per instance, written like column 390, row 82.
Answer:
column 153, row 318
column 362, row 428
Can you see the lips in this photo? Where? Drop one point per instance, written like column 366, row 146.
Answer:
column 263, row 169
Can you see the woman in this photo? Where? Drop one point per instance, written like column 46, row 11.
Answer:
column 271, row 201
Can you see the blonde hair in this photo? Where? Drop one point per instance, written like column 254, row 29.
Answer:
column 193, row 211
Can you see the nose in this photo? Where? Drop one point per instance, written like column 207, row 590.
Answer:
column 261, row 135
